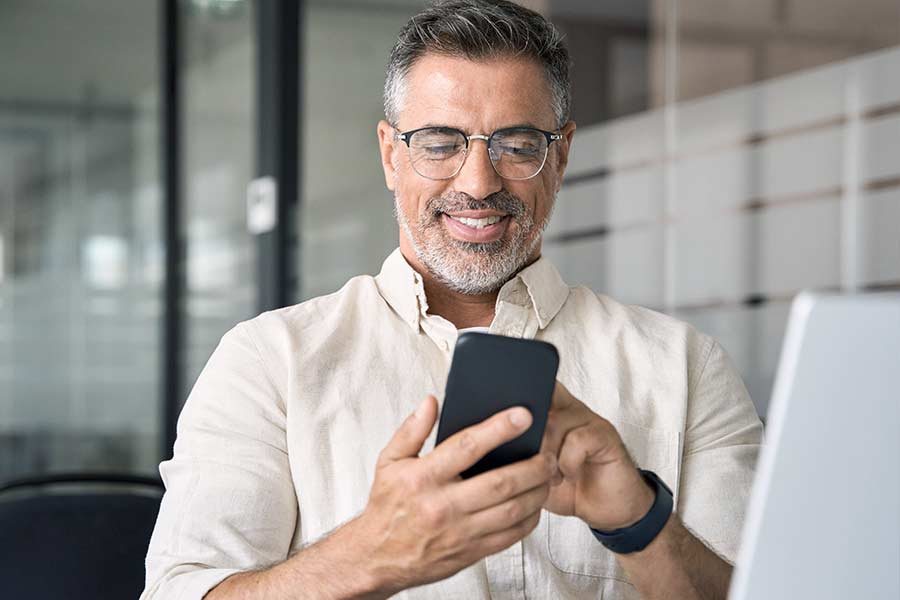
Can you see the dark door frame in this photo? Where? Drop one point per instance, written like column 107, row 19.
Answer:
column 278, row 66
column 278, row 30
column 170, row 149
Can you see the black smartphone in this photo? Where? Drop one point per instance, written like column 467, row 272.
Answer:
column 490, row 373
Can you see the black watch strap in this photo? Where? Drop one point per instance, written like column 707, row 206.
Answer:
column 638, row 536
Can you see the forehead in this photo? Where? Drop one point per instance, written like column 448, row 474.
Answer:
column 480, row 95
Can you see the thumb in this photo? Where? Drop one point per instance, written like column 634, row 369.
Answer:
column 409, row 438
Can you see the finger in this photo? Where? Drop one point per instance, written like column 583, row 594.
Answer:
column 562, row 397
column 582, row 443
column 407, row 441
column 559, row 423
column 492, row 543
column 465, row 448
column 508, row 513
column 498, row 485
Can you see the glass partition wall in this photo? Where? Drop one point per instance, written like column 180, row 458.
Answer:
column 80, row 237
column 218, row 85
column 764, row 165
column 83, row 269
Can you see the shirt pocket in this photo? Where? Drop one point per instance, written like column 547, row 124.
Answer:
column 571, row 546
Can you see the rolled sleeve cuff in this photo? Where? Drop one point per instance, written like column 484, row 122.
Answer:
column 188, row 585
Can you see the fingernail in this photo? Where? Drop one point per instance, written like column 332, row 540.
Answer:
column 520, row 417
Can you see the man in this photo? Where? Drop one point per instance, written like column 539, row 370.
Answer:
column 297, row 472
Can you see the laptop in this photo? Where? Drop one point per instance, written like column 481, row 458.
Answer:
column 823, row 520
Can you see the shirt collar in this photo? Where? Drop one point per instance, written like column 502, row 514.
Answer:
column 538, row 286
column 546, row 289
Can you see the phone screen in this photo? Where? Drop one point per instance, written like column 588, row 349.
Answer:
column 490, row 373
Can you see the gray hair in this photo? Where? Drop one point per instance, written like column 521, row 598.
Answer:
column 479, row 30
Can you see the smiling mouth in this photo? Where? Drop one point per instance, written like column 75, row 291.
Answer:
column 476, row 228
column 477, row 223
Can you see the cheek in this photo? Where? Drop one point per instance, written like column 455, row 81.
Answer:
column 414, row 193
column 545, row 198
column 538, row 198
column 542, row 209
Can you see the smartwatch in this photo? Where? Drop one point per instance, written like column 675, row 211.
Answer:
column 638, row 536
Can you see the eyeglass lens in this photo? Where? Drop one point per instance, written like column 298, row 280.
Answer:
column 438, row 152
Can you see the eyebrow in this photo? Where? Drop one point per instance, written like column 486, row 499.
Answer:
column 513, row 126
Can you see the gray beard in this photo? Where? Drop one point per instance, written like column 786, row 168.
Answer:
column 468, row 267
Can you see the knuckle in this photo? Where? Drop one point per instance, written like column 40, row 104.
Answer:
column 515, row 512
column 585, row 434
column 413, row 481
column 503, row 485
column 466, row 443
column 575, row 438
column 436, row 514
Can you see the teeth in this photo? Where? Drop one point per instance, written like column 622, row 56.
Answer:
column 477, row 223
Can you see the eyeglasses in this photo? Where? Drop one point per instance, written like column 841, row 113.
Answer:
column 515, row 152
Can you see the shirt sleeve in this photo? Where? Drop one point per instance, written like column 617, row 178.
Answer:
column 230, row 504
column 723, row 434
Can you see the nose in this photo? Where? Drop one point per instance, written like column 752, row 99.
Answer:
column 477, row 176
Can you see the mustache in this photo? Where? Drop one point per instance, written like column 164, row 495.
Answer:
column 501, row 201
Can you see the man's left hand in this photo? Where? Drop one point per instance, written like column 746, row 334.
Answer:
column 598, row 482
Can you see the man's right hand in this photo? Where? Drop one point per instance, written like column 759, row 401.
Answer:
column 424, row 523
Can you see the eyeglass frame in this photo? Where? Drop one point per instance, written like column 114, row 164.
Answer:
column 551, row 137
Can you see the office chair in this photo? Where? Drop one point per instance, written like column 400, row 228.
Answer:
column 77, row 537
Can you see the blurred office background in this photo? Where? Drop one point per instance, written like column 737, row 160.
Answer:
column 728, row 154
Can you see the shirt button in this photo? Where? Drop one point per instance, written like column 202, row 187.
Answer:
column 446, row 345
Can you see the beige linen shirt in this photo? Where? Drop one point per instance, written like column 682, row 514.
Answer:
column 278, row 440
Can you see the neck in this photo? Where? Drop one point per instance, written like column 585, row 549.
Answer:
column 463, row 310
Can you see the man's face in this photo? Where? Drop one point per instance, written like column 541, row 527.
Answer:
column 475, row 256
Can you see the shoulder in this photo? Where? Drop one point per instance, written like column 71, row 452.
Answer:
column 280, row 330
column 638, row 326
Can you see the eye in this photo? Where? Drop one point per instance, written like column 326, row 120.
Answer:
column 523, row 149
column 519, row 152
column 520, row 144
column 437, row 143
column 441, row 149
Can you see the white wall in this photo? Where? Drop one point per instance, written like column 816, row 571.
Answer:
column 720, row 210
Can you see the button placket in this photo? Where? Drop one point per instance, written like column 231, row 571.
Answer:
column 441, row 331
column 506, row 573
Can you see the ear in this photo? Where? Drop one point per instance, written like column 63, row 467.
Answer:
column 562, row 150
column 387, row 143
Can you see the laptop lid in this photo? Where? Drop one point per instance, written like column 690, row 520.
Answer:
column 824, row 518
